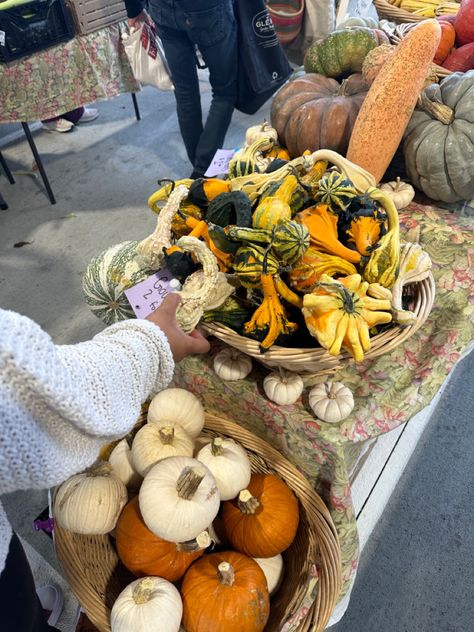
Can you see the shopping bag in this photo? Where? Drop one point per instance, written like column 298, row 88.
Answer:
column 263, row 66
column 147, row 57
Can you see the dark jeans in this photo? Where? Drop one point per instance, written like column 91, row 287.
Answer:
column 20, row 607
column 209, row 24
column 73, row 116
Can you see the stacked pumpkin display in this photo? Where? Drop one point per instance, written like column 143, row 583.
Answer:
column 202, row 522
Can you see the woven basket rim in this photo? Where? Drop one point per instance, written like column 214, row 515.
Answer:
column 395, row 14
column 322, row 537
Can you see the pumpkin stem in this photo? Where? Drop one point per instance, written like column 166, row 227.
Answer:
column 226, row 574
column 330, row 391
column 439, row 111
column 143, row 591
column 248, row 504
column 201, row 541
column 189, row 481
column 342, row 89
column 166, row 435
column 346, row 296
column 217, row 447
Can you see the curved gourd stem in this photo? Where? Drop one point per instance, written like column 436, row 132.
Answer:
column 361, row 179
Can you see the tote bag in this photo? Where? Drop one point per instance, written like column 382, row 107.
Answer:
column 147, row 58
column 263, row 65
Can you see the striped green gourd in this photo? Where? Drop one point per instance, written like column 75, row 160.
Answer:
column 290, row 241
column 336, row 191
column 248, row 264
column 107, row 276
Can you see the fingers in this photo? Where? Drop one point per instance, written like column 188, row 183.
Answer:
column 170, row 304
column 197, row 343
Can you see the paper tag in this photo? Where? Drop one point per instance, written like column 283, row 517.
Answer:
column 220, row 162
column 2, row 38
column 146, row 296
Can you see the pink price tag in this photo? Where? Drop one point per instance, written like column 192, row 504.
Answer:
column 220, row 162
column 146, row 296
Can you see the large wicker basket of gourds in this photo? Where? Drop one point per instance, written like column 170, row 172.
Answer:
column 312, row 564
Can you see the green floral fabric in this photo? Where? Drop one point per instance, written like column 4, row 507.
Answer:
column 59, row 79
column 388, row 390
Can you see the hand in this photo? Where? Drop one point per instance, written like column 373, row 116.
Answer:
column 138, row 20
column 182, row 345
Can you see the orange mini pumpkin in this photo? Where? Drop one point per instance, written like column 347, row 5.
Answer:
column 144, row 553
column 263, row 520
column 227, row 592
column 446, row 44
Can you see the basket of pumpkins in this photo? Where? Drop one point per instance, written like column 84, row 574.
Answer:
column 193, row 523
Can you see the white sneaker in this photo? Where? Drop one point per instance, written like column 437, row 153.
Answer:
column 59, row 125
column 90, row 114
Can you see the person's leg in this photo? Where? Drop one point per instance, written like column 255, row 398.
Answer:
column 74, row 115
column 19, row 604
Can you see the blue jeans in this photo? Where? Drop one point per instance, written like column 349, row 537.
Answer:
column 209, row 24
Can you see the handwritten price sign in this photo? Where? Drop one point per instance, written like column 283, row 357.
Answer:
column 146, row 296
column 220, row 162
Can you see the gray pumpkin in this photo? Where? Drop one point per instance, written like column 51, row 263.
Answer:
column 439, row 140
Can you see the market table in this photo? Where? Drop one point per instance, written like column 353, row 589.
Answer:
column 388, row 390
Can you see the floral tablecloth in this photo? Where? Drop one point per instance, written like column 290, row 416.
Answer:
column 388, row 390
column 59, row 79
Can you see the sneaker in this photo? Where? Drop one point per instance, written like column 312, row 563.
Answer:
column 59, row 125
column 52, row 601
column 90, row 114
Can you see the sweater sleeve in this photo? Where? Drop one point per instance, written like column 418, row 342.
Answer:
column 60, row 404
column 133, row 7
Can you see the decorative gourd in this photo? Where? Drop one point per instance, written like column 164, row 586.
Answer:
column 230, row 208
column 244, row 162
column 167, row 185
column 401, row 193
column 415, row 265
column 278, row 153
column 374, row 61
column 226, row 592
column 336, row 191
column 440, row 138
column 263, row 520
column 381, row 117
column 151, row 603
column 144, row 553
column 248, row 264
column 179, row 227
column 290, row 241
column 229, row 464
column 446, row 44
column 340, row 314
column 270, row 212
column 274, row 570
column 322, row 226
column 204, row 190
column 464, row 23
column 283, row 387
column 177, row 406
column 306, row 272
column 264, row 130
column 371, row 23
column 154, row 442
column 363, row 224
column 461, row 59
column 90, row 502
column 230, row 313
column 122, row 465
column 178, row 499
column 331, row 401
column 230, row 364
column 342, row 52
column 301, row 109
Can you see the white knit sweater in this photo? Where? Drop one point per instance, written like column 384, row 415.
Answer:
column 60, row 404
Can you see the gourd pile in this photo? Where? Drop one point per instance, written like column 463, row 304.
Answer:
column 203, row 535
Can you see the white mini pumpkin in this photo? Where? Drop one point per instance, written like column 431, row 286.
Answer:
column 283, row 387
column 402, row 193
column 178, row 406
column 122, row 465
column 273, row 569
column 229, row 464
column 179, row 498
column 230, row 364
column 155, row 442
column 90, row 503
column 147, row 604
column 331, row 401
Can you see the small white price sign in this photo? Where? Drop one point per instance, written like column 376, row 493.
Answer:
column 146, row 296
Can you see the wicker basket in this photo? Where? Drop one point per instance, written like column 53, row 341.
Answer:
column 394, row 14
column 317, row 360
column 97, row 577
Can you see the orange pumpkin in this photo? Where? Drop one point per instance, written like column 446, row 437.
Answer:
column 446, row 44
column 263, row 520
column 227, row 592
column 144, row 553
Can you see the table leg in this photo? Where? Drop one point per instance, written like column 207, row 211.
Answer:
column 6, row 169
column 37, row 158
column 135, row 105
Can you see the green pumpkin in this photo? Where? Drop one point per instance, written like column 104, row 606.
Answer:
column 106, row 278
column 290, row 241
column 336, row 191
column 248, row 264
column 342, row 52
column 351, row 22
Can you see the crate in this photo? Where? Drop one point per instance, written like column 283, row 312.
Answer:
column 29, row 27
column 92, row 15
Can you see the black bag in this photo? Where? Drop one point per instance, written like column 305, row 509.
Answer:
column 263, row 65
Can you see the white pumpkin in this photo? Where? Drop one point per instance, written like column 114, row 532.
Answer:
column 402, row 193
column 149, row 604
column 155, row 442
column 273, row 569
column 283, row 387
column 179, row 498
column 331, row 401
column 178, row 406
column 229, row 464
column 122, row 465
column 90, row 503
column 230, row 364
